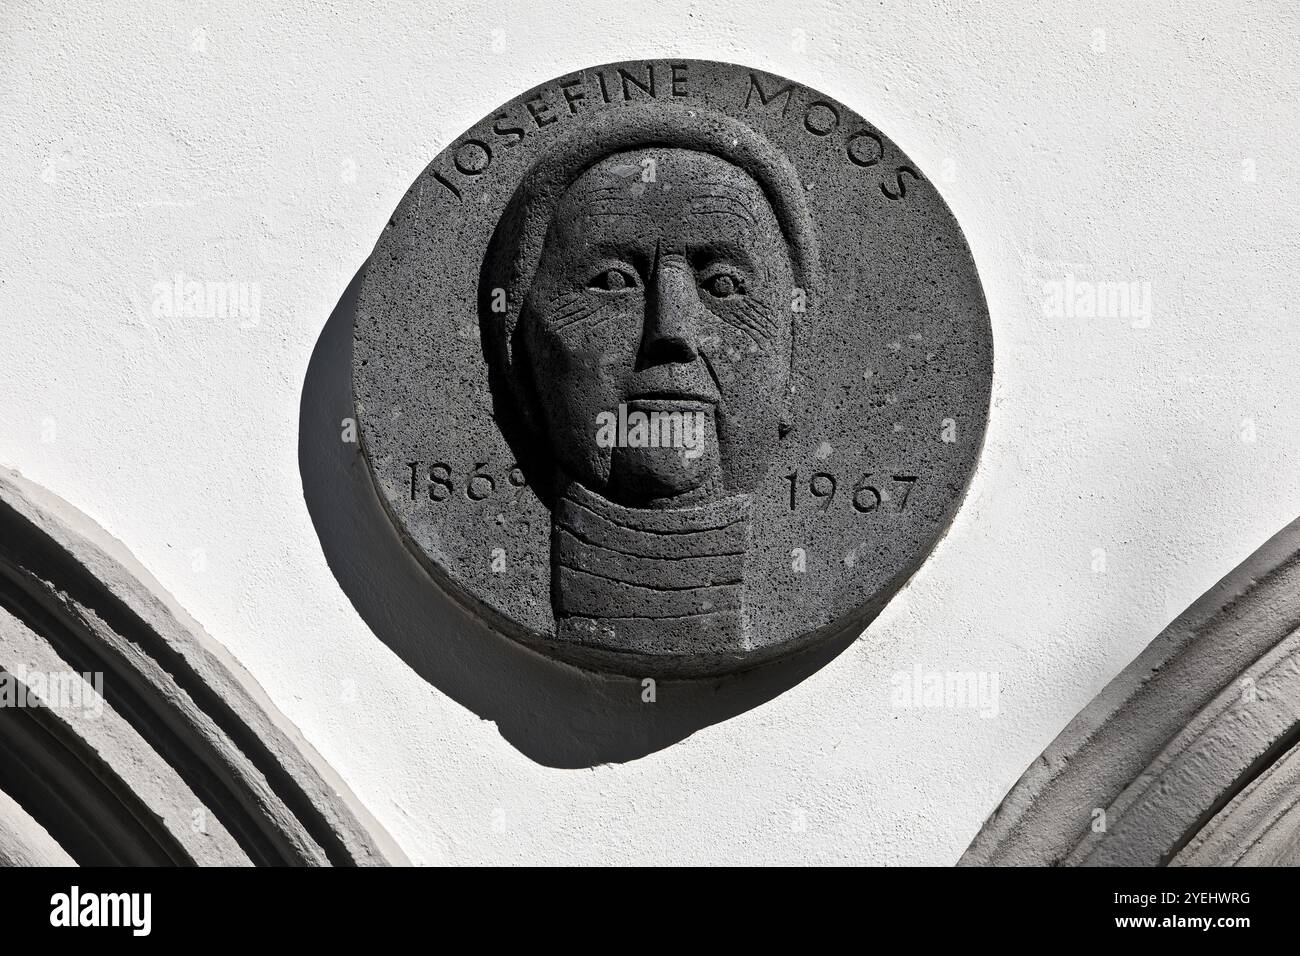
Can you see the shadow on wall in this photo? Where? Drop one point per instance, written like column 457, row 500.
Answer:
column 554, row 714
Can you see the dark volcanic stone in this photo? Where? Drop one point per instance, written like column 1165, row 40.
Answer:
column 672, row 367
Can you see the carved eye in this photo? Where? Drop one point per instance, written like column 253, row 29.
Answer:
column 613, row 280
column 723, row 285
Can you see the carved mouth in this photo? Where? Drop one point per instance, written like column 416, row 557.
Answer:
column 666, row 400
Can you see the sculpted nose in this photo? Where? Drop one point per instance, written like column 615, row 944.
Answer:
column 673, row 322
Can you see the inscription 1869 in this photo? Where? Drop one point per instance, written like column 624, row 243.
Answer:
column 698, row 318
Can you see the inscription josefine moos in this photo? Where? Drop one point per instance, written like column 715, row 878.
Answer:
column 670, row 368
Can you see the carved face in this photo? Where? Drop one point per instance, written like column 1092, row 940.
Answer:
column 664, row 286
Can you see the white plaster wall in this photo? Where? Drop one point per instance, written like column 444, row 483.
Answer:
column 1117, row 142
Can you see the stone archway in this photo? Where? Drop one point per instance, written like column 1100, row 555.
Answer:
column 129, row 736
column 1190, row 755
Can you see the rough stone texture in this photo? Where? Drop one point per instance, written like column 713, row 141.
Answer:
column 701, row 242
column 1259, row 827
column 165, row 751
column 1189, row 755
column 24, row 842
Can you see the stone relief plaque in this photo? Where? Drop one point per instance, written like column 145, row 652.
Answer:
column 671, row 367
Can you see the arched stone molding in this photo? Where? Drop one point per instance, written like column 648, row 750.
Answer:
column 1189, row 756
column 182, row 759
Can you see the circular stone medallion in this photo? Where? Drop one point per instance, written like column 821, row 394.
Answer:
column 672, row 367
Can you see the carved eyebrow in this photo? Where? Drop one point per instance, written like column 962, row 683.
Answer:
column 616, row 192
column 731, row 189
column 612, row 189
column 607, row 212
column 609, row 205
column 721, row 249
column 723, row 204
